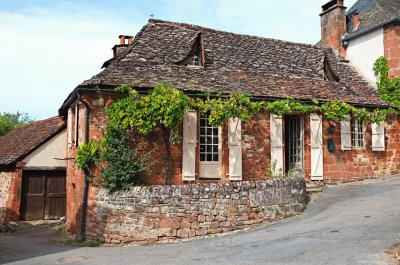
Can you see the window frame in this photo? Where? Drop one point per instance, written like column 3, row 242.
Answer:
column 357, row 132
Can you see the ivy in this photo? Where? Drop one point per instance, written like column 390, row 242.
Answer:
column 163, row 108
column 388, row 87
column 87, row 155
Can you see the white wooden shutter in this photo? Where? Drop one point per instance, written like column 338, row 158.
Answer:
column 276, row 144
column 235, row 148
column 76, row 137
column 189, row 146
column 69, row 125
column 345, row 132
column 317, row 149
column 378, row 136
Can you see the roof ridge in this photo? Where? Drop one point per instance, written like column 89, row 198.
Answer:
column 36, row 122
column 198, row 27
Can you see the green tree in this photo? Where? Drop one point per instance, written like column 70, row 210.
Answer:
column 163, row 107
column 8, row 121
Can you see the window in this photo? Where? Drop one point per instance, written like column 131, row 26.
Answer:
column 357, row 133
column 209, row 141
column 194, row 61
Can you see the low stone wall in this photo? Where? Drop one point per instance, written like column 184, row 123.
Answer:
column 165, row 213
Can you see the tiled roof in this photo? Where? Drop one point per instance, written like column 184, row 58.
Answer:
column 24, row 139
column 372, row 13
column 233, row 62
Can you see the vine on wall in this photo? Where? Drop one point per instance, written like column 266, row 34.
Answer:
column 163, row 108
column 388, row 87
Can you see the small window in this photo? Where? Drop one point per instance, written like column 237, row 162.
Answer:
column 357, row 133
column 194, row 61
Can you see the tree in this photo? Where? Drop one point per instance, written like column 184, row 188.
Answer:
column 163, row 107
column 8, row 121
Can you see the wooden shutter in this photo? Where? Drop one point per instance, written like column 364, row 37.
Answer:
column 378, row 136
column 69, row 125
column 276, row 144
column 76, row 125
column 235, row 148
column 317, row 149
column 345, row 132
column 189, row 145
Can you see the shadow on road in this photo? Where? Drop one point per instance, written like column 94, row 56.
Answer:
column 31, row 239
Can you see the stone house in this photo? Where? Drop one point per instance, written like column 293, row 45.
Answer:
column 32, row 171
column 368, row 30
column 195, row 59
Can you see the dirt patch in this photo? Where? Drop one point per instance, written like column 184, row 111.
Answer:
column 394, row 253
column 43, row 229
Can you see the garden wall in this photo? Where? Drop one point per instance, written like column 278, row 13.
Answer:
column 166, row 213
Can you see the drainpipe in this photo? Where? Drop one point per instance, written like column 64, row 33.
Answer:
column 86, row 173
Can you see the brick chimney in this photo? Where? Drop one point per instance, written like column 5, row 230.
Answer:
column 391, row 42
column 124, row 41
column 333, row 25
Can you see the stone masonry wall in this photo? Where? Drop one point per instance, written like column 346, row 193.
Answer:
column 391, row 42
column 5, row 182
column 164, row 213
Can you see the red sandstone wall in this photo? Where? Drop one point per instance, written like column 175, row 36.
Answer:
column 339, row 166
column 392, row 48
column 10, row 195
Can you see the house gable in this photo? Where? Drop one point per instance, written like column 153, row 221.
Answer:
column 51, row 154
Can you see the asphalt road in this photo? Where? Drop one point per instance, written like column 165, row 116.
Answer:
column 347, row 224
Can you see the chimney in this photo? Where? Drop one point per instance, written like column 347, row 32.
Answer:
column 124, row 41
column 333, row 25
column 356, row 21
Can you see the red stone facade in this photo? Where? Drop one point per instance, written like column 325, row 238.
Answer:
column 10, row 195
column 339, row 166
column 333, row 26
column 392, row 48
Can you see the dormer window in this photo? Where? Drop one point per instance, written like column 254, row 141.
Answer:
column 194, row 61
column 195, row 58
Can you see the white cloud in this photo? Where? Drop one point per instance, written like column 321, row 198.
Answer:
column 46, row 53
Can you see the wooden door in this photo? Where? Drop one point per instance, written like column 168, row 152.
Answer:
column 210, row 150
column 33, row 195
column 55, row 196
column 43, row 195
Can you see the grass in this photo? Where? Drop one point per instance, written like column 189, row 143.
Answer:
column 83, row 244
column 61, row 227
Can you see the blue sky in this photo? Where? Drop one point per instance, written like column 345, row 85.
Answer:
column 47, row 48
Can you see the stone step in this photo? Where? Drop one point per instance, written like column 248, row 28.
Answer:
column 314, row 189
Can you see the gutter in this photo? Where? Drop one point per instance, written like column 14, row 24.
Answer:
column 86, row 174
column 365, row 31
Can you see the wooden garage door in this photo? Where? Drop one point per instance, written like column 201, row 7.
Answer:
column 43, row 195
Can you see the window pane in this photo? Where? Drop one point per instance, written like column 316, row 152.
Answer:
column 202, row 122
column 202, row 140
column 215, row 148
column 215, row 140
column 209, row 131
column 215, row 157
column 209, row 157
column 202, row 131
column 202, row 157
column 209, row 140
column 209, row 148
column 202, row 148
column 215, row 131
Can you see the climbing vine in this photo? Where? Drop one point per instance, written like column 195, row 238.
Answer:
column 163, row 107
column 388, row 87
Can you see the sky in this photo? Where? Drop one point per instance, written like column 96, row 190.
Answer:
column 47, row 48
